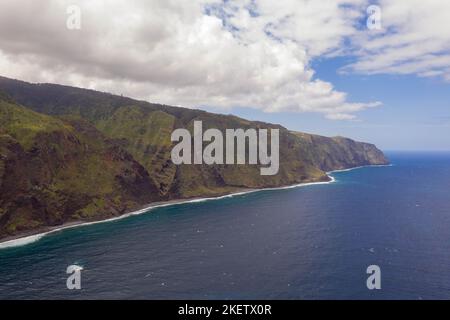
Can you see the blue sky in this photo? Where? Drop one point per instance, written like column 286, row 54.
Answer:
column 276, row 61
column 415, row 114
column 415, row 111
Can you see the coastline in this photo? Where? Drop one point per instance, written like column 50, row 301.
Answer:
column 22, row 240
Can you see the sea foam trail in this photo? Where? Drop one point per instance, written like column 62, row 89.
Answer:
column 33, row 238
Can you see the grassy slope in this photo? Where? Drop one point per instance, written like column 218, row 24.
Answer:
column 90, row 155
column 57, row 170
column 146, row 135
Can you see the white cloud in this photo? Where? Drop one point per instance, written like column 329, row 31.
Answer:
column 415, row 39
column 188, row 53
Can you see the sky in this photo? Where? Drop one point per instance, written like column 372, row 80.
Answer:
column 376, row 71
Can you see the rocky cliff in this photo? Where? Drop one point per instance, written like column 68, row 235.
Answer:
column 70, row 154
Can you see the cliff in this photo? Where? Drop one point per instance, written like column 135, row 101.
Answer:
column 70, row 154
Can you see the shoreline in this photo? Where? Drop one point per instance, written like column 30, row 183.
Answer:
column 28, row 239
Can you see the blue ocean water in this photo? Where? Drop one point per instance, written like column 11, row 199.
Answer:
column 303, row 243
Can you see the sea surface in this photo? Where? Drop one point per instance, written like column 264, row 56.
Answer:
column 312, row 242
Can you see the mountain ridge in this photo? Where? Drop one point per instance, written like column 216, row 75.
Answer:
column 57, row 142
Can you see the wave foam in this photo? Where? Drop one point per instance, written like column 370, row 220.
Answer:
column 34, row 238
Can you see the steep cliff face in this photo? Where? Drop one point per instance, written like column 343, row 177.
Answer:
column 338, row 152
column 87, row 155
column 53, row 171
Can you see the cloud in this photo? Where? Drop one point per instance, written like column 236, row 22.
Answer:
column 414, row 39
column 253, row 54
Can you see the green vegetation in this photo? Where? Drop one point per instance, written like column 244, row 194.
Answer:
column 23, row 124
column 54, row 170
column 146, row 135
column 70, row 154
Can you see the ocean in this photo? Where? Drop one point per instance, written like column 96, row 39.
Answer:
column 311, row 242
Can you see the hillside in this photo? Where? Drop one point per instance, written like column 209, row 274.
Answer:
column 70, row 154
column 54, row 170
